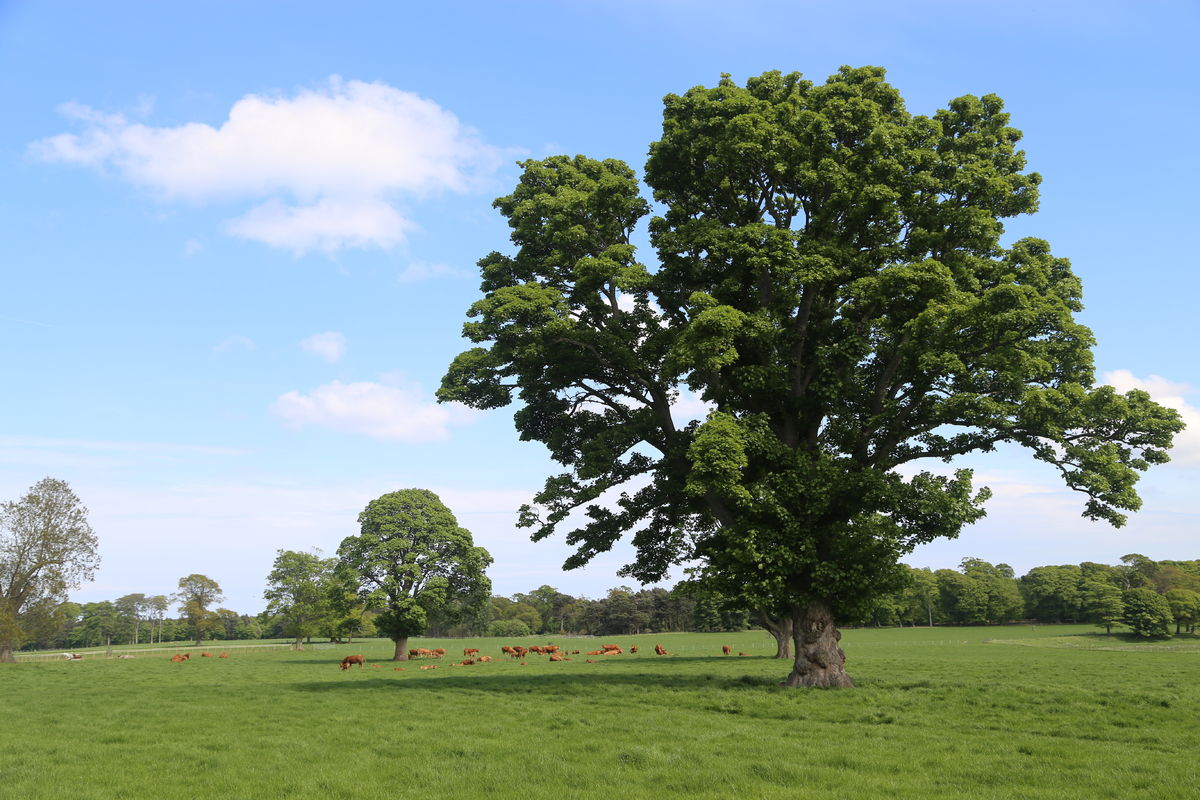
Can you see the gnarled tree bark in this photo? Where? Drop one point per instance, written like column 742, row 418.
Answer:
column 819, row 662
column 779, row 626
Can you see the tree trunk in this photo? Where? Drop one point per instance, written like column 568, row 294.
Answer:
column 6, row 653
column 819, row 660
column 401, row 649
column 296, row 644
column 781, row 628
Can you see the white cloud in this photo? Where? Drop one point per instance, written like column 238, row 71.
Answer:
column 393, row 413
column 420, row 271
column 191, row 247
column 328, row 225
column 1186, row 450
column 324, row 166
column 232, row 343
column 330, row 345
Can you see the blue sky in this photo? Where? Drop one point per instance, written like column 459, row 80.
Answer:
column 237, row 242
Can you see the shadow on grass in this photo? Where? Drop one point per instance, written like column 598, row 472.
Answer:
column 474, row 678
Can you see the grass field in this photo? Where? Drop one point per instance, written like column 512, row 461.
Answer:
column 1013, row 712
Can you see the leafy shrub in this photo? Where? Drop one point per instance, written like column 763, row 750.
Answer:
column 508, row 628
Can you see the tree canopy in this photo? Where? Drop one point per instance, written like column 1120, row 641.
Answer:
column 46, row 548
column 412, row 558
column 299, row 589
column 831, row 282
column 196, row 593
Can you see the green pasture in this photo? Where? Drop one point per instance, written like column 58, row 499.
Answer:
column 1012, row 712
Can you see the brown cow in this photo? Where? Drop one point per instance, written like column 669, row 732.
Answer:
column 206, row 655
column 437, row 652
column 595, row 652
column 484, row 659
column 470, row 651
column 660, row 650
column 633, row 648
column 558, row 657
column 349, row 661
column 223, row 655
column 726, row 649
column 177, row 659
column 743, row 654
column 508, row 651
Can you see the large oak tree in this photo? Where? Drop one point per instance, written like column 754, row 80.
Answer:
column 831, row 281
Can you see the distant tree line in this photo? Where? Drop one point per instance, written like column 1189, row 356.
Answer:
column 1150, row 598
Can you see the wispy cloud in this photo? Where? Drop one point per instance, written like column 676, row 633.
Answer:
column 422, row 271
column 393, row 413
column 234, row 343
column 330, row 345
column 324, row 167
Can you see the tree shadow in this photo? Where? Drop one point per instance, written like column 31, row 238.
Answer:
column 479, row 679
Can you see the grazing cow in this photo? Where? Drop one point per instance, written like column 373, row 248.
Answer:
column 519, row 652
column 470, row 651
column 660, row 650
column 349, row 661
column 508, row 651
column 550, row 648
column 223, row 655
column 726, row 649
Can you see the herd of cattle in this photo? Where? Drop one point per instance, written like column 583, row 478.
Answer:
column 514, row 652
column 179, row 658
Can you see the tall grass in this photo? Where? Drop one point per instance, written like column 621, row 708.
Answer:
column 942, row 713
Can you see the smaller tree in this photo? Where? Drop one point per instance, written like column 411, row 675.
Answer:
column 412, row 556
column 99, row 623
column 1102, row 603
column 298, row 590
column 1185, row 607
column 156, row 611
column 46, row 548
column 196, row 593
column 132, row 608
column 1147, row 613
